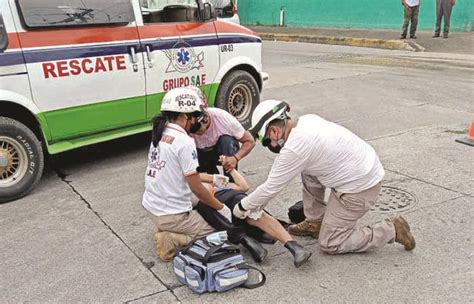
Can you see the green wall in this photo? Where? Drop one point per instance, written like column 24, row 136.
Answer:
column 370, row 14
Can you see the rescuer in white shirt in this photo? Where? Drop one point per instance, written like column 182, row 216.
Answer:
column 324, row 154
column 171, row 174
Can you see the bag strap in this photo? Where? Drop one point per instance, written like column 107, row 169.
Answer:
column 246, row 266
column 210, row 252
column 252, row 286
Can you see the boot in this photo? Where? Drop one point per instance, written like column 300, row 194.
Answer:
column 300, row 254
column 306, row 228
column 168, row 243
column 256, row 249
column 403, row 234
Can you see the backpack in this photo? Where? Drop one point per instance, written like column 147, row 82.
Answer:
column 296, row 213
column 206, row 268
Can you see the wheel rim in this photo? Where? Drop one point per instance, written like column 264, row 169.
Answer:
column 240, row 101
column 13, row 162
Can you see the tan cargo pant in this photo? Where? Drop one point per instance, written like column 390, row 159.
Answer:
column 339, row 233
column 189, row 223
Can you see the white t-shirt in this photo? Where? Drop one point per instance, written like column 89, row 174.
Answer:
column 412, row 3
column 316, row 147
column 166, row 188
column 222, row 123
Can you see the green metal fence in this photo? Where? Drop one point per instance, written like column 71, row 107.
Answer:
column 368, row 14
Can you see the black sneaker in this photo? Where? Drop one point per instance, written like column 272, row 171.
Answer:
column 412, row 37
column 403, row 37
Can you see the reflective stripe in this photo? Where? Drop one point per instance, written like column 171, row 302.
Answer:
column 193, row 283
column 179, row 273
column 231, row 281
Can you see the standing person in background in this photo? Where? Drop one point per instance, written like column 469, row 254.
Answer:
column 411, row 9
column 443, row 9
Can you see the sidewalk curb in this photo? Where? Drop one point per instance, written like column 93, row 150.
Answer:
column 391, row 44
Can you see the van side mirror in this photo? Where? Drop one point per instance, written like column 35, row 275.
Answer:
column 208, row 12
column 3, row 35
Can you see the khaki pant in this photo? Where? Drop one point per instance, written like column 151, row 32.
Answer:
column 339, row 233
column 189, row 223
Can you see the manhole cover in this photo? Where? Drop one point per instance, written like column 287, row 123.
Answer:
column 392, row 199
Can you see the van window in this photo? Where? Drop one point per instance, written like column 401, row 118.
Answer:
column 3, row 35
column 224, row 8
column 157, row 11
column 60, row 13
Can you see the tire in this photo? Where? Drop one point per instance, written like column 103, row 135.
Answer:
column 239, row 94
column 21, row 160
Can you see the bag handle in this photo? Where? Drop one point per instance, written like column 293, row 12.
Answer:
column 252, row 286
column 246, row 266
column 215, row 248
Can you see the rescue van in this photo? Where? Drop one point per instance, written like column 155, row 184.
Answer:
column 79, row 72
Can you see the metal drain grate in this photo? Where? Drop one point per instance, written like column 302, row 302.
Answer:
column 392, row 199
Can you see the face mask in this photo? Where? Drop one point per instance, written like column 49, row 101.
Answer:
column 195, row 127
column 275, row 149
column 266, row 142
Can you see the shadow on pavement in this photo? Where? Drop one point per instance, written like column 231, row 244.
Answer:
column 87, row 156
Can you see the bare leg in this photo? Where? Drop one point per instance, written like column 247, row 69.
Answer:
column 272, row 227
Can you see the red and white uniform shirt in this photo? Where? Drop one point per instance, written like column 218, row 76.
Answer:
column 166, row 188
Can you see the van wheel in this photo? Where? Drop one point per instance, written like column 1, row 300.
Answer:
column 21, row 160
column 238, row 94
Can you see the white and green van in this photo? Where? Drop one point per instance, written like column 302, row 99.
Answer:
column 79, row 72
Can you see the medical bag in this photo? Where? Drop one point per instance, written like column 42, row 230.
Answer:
column 204, row 267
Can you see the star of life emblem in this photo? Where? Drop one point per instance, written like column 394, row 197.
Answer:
column 183, row 58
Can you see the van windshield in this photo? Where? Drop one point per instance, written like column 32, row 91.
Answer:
column 75, row 12
column 160, row 4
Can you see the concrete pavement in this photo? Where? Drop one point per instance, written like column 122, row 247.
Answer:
column 82, row 235
column 457, row 43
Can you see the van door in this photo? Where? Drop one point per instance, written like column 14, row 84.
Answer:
column 13, row 76
column 180, row 49
column 83, row 60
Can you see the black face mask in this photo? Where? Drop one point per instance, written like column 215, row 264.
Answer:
column 276, row 149
column 266, row 142
column 195, row 127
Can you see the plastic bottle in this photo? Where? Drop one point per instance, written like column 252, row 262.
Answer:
column 217, row 238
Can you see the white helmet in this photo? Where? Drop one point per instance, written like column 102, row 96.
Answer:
column 182, row 100
column 264, row 113
column 200, row 93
